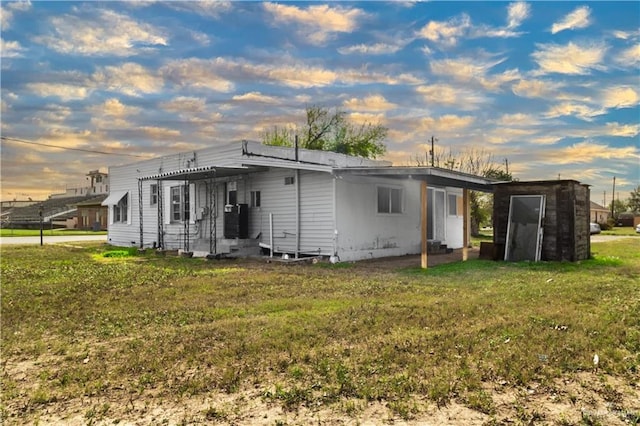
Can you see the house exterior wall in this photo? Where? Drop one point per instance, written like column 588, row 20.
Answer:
column 314, row 211
column 278, row 200
column 599, row 216
column 362, row 232
column 566, row 224
column 125, row 178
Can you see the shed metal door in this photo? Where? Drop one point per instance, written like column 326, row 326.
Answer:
column 524, row 229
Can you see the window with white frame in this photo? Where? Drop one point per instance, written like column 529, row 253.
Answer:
column 180, row 203
column 154, row 194
column 255, row 198
column 389, row 200
column 453, row 204
column 121, row 210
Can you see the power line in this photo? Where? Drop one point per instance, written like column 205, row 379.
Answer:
column 9, row 139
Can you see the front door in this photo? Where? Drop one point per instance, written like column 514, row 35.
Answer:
column 435, row 215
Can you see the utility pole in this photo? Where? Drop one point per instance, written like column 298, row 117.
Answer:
column 613, row 197
column 41, row 223
column 604, row 199
column 432, row 151
column 506, row 163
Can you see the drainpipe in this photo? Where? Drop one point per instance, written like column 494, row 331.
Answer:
column 334, row 257
column 297, row 185
column 297, row 213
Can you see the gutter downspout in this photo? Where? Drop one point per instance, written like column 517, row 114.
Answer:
column 335, row 258
column 297, row 184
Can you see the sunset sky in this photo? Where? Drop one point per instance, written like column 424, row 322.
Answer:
column 554, row 87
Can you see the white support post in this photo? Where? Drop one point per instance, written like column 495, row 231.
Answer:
column 270, row 234
column 423, row 224
column 466, row 228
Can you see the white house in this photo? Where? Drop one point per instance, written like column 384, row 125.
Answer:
column 244, row 196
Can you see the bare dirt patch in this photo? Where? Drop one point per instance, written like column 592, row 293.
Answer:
column 583, row 398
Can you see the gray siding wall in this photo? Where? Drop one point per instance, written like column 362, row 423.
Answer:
column 279, row 200
column 125, row 178
column 316, row 213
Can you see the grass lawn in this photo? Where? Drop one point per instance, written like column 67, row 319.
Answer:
column 92, row 334
column 36, row 232
column 621, row 230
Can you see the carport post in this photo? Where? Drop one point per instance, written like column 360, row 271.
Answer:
column 465, row 224
column 423, row 223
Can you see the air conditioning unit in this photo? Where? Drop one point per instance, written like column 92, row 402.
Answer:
column 236, row 221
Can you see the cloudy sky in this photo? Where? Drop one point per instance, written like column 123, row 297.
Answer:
column 553, row 87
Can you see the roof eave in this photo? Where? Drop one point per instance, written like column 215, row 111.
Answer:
column 431, row 175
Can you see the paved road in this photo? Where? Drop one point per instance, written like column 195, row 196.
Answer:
column 51, row 239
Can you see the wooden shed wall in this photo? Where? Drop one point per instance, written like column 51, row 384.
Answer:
column 566, row 224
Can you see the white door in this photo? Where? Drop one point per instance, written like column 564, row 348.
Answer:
column 435, row 217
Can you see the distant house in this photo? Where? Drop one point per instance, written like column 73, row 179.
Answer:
column 60, row 210
column 627, row 219
column 92, row 215
column 598, row 214
column 247, row 197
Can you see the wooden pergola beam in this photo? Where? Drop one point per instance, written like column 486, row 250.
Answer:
column 466, row 222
